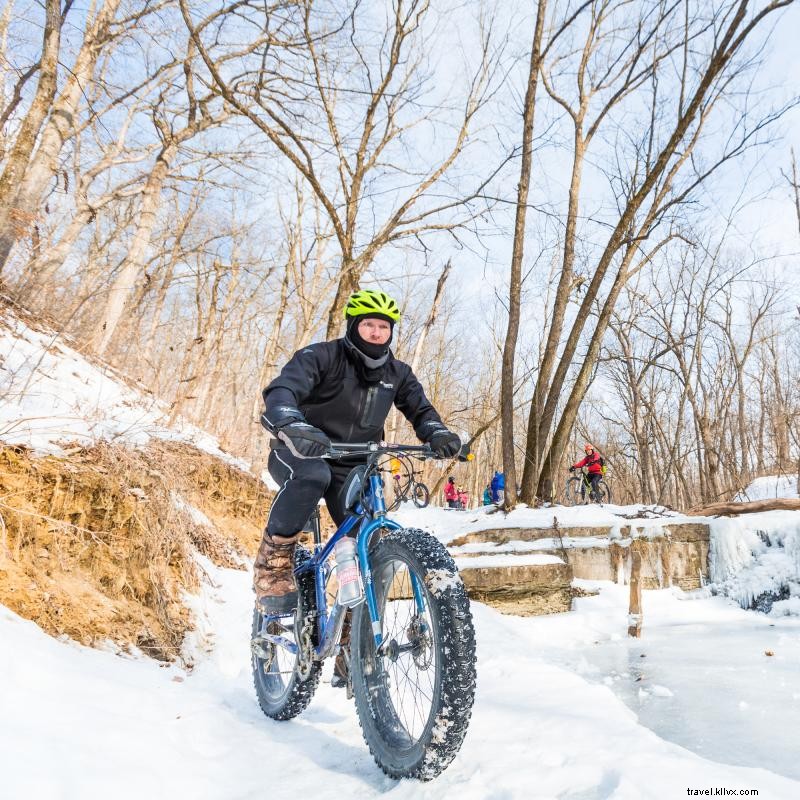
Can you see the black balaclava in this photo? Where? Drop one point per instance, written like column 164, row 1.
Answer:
column 369, row 358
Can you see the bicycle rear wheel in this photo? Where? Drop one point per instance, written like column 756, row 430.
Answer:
column 421, row 496
column 603, row 493
column 284, row 685
column 414, row 698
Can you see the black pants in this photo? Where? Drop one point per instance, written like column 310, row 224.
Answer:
column 303, row 482
column 594, row 478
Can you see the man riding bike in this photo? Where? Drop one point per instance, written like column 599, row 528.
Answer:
column 341, row 391
column 594, row 466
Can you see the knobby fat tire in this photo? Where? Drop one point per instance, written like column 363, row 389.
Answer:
column 454, row 642
column 297, row 694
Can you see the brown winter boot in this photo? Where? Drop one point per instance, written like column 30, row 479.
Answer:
column 273, row 578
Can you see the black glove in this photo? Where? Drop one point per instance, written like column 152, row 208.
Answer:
column 304, row 440
column 444, row 443
column 572, row 469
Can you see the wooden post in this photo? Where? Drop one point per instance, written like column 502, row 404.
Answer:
column 666, row 561
column 635, row 609
column 617, row 562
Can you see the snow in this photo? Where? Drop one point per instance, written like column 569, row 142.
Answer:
column 52, row 394
column 477, row 562
column 567, row 542
column 768, row 487
column 195, row 514
column 565, row 707
column 448, row 524
column 750, row 555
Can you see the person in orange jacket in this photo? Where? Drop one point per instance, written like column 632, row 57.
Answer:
column 594, row 464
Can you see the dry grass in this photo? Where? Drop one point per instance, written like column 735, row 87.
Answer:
column 94, row 546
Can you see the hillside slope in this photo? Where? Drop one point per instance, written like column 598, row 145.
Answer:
column 103, row 505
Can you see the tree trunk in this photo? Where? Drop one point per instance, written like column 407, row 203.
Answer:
column 515, row 281
column 13, row 219
column 122, row 288
column 752, row 507
column 271, row 349
column 61, row 123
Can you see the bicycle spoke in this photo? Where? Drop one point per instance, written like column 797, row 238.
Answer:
column 411, row 686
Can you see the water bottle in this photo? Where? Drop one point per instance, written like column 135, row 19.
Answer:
column 347, row 573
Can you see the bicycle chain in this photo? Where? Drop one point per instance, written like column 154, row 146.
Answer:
column 305, row 649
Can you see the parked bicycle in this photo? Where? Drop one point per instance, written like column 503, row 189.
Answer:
column 407, row 487
column 412, row 641
column 579, row 490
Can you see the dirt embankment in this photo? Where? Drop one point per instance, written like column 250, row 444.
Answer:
column 99, row 545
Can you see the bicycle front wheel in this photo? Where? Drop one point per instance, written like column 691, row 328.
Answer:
column 414, row 698
column 421, row 495
column 572, row 492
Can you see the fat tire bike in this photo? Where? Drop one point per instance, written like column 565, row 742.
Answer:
column 578, row 490
column 412, row 640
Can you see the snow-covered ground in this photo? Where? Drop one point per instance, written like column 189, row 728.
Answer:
column 51, row 393
column 751, row 555
column 450, row 524
column 566, row 707
column 770, row 486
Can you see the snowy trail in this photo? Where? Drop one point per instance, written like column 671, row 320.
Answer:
column 80, row 723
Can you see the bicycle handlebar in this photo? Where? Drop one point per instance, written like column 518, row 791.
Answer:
column 344, row 449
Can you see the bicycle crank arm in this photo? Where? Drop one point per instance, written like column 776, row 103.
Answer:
column 257, row 642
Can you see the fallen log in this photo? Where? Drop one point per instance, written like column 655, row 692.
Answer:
column 731, row 508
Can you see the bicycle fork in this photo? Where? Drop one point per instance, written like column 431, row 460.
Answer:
column 362, row 546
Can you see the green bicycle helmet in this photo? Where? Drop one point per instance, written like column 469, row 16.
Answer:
column 371, row 301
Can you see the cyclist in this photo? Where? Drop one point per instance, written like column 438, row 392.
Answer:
column 341, row 390
column 594, row 464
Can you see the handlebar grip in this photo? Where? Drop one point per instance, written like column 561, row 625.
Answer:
column 465, row 454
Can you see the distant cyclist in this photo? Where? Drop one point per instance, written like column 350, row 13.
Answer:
column 594, row 464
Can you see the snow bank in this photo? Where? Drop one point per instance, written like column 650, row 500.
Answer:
column 768, row 487
column 51, row 393
column 449, row 524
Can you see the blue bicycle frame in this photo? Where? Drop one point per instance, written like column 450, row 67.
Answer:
column 369, row 517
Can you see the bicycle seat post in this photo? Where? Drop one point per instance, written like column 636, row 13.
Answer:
column 315, row 524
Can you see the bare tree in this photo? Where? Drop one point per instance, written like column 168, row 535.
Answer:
column 515, row 279
column 650, row 190
column 351, row 111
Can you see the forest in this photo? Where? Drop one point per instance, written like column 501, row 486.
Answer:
column 588, row 210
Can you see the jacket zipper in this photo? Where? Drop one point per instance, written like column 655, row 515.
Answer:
column 371, row 392
column 361, row 410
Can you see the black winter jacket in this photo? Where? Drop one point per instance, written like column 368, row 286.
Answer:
column 322, row 381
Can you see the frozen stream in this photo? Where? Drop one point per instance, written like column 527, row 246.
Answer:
column 702, row 680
